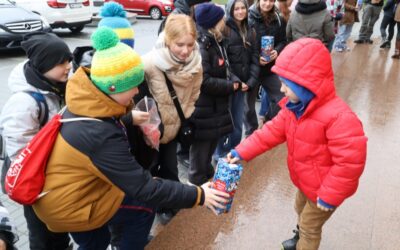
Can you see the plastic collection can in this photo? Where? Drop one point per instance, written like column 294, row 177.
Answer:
column 267, row 45
column 226, row 179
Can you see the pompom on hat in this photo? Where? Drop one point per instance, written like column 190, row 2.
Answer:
column 116, row 67
column 114, row 16
column 207, row 15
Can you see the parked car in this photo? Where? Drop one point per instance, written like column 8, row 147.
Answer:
column 153, row 8
column 71, row 14
column 15, row 22
column 96, row 6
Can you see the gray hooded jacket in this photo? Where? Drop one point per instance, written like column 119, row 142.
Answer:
column 310, row 19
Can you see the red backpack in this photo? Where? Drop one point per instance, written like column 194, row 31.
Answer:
column 26, row 176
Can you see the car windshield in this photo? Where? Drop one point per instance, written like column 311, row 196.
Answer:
column 4, row 2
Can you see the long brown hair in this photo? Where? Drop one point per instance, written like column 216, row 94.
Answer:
column 269, row 16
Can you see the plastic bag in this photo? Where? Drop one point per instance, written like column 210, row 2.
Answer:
column 150, row 128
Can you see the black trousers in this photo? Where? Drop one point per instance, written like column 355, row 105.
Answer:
column 200, row 169
column 387, row 21
column 167, row 166
column 41, row 238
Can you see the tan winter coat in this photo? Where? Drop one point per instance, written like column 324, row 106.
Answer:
column 350, row 14
column 397, row 15
column 186, row 79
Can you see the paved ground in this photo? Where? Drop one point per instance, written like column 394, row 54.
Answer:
column 263, row 213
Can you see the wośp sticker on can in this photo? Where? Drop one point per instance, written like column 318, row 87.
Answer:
column 226, row 179
column 267, row 46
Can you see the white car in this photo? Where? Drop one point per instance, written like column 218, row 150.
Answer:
column 96, row 6
column 71, row 14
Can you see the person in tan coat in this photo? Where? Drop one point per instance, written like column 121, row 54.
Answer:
column 175, row 57
column 346, row 25
column 397, row 19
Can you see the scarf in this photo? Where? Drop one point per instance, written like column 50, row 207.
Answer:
column 37, row 80
column 167, row 62
column 308, row 9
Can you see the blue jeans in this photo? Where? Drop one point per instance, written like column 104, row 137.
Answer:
column 343, row 35
column 264, row 103
column 136, row 220
column 227, row 142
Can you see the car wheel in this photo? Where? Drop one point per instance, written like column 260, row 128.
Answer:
column 76, row 29
column 155, row 13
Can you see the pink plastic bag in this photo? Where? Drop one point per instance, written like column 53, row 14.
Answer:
column 150, row 128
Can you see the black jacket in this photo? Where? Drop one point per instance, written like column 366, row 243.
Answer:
column 277, row 29
column 211, row 115
column 243, row 60
column 390, row 8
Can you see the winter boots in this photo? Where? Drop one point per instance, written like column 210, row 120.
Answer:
column 290, row 244
column 397, row 50
column 385, row 44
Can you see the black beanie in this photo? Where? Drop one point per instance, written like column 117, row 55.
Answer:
column 45, row 50
column 208, row 15
column 194, row 2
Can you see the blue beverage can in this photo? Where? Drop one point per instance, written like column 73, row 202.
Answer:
column 226, row 179
column 267, row 46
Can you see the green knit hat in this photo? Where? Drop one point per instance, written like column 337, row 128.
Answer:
column 116, row 67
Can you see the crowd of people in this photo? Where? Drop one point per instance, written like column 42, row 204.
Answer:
column 105, row 183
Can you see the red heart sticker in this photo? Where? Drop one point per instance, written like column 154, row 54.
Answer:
column 220, row 61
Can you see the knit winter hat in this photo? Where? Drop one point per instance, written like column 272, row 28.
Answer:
column 194, row 2
column 116, row 67
column 114, row 16
column 45, row 50
column 208, row 15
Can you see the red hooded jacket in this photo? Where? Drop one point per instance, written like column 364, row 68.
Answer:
column 326, row 145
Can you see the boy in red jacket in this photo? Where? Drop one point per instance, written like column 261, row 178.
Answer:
column 325, row 139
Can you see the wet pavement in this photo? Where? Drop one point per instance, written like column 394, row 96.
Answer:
column 263, row 215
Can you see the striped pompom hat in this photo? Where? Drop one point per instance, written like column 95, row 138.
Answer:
column 114, row 16
column 116, row 67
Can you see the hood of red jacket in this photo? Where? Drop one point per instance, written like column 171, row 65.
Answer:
column 308, row 63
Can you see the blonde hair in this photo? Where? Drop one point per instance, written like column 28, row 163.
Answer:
column 178, row 25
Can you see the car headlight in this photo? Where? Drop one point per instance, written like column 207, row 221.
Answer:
column 2, row 31
column 165, row 1
column 46, row 24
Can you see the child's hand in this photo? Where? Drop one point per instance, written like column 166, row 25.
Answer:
column 235, row 85
column 263, row 62
column 245, row 87
column 233, row 157
column 214, row 198
column 139, row 117
column 324, row 206
column 274, row 55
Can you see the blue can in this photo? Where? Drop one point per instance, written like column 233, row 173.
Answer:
column 267, row 46
column 226, row 179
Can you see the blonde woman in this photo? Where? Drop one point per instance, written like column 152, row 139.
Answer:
column 176, row 56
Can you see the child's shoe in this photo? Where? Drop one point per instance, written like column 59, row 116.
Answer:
column 290, row 244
